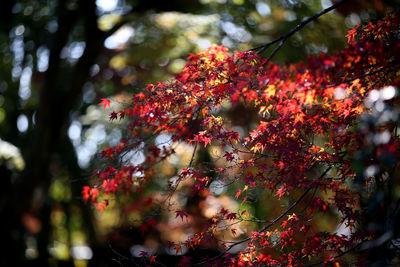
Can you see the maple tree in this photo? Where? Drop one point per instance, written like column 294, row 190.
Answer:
column 325, row 143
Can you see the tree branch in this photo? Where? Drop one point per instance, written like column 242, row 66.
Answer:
column 282, row 39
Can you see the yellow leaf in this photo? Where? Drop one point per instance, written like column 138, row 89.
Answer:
column 298, row 118
column 270, row 91
column 309, row 99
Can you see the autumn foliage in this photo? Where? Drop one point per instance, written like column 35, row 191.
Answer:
column 308, row 150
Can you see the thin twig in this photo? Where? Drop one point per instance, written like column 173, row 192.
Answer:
column 282, row 39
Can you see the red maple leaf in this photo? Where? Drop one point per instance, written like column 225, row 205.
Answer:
column 238, row 193
column 144, row 254
column 231, row 216
column 170, row 244
column 140, row 96
column 352, row 33
column 148, row 201
column 151, row 222
column 100, row 207
column 223, row 211
column 94, row 192
column 229, row 156
column 105, row 102
column 153, row 259
column 86, row 193
column 178, row 249
column 113, row 115
column 280, row 192
column 143, row 228
column 181, row 213
column 233, row 231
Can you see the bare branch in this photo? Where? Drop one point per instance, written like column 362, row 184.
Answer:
column 282, row 39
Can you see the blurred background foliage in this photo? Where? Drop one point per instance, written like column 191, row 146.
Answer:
column 58, row 58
